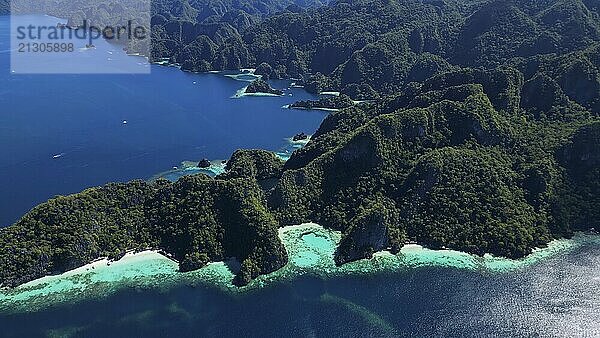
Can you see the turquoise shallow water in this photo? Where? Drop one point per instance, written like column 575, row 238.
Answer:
column 310, row 248
column 553, row 292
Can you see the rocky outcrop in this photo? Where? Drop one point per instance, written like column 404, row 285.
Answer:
column 371, row 232
column 253, row 164
column 204, row 163
column 261, row 86
column 300, row 137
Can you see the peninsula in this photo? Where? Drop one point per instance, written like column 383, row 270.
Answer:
column 483, row 137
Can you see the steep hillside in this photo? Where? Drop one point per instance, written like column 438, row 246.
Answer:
column 483, row 137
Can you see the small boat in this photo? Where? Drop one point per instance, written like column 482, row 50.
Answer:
column 124, row 122
column 58, row 155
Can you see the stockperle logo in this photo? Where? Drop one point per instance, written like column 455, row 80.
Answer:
column 58, row 37
column 83, row 32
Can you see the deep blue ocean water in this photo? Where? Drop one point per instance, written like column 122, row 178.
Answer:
column 171, row 116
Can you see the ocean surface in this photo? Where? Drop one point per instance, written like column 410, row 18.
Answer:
column 172, row 116
column 556, row 297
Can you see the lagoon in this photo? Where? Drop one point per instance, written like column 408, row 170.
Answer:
column 419, row 292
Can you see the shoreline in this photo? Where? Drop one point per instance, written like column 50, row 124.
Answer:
column 242, row 93
column 310, row 250
column 186, row 168
column 329, row 110
column 218, row 166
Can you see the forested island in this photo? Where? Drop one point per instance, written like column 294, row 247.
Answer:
column 483, row 136
column 262, row 87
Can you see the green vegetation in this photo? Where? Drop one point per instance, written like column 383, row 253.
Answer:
column 454, row 162
column 370, row 48
column 261, row 86
column 483, row 136
column 196, row 220
column 253, row 164
column 329, row 102
column 576, row 204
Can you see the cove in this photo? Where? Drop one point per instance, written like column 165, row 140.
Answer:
column 554, row 296
column 552, row 292
column 310, row 248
